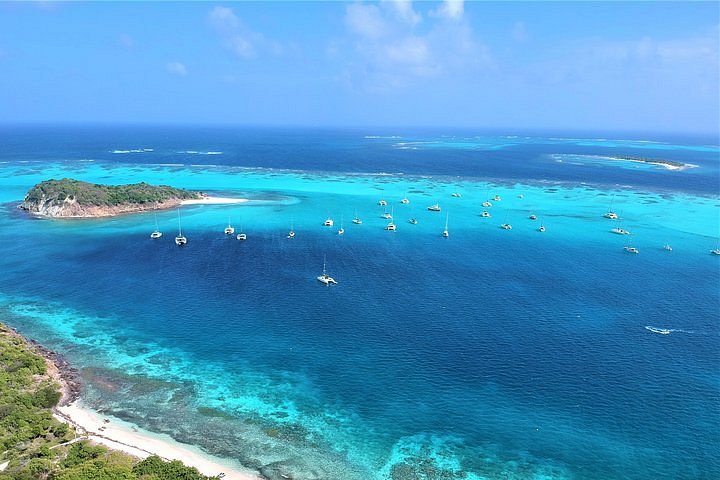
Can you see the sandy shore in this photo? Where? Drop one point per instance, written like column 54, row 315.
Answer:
column 119, row 435
column 213, row 201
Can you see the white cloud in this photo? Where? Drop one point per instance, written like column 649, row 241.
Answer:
column 392, row 52
column 403, row 9
column 176, row 68
column 238, row 38
column 450, row 9
column 365, row 20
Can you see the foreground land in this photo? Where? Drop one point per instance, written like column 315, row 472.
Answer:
column 34, row 444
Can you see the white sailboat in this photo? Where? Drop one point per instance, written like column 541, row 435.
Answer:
column 157, row 233
column 610, row 213
column 542, row 227
column 342, row 230
column 382, row 202
column 329, row 222
column 434, row 208
column 405, row 200
column 506, row 225
column 291, row 233
column 391, row 226
column 356, row 219
column 445, row 232
column 180, row 240
column 229, row 230
column 325, row 278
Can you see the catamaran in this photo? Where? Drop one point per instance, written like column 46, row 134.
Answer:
column 180, row 240
column 157, row 233
column 342, row 230
column 325, row 278
column 329, row 222
column 229, row 230
column 291, row 233
column 356, row 219
column 382, row 202
column 434, row 208
column 391, row 226
column 610, row 213
column 445, row 232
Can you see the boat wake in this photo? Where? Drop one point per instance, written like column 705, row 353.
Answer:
column 667, row 331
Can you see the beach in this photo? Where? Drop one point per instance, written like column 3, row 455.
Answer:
column 119, row 435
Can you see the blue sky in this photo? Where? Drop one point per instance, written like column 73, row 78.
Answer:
column 645, row 66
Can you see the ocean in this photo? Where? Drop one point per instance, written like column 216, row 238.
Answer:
column 493, row 353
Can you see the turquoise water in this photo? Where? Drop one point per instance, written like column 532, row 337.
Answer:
column 489, row 354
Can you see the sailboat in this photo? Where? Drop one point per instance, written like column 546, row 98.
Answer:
column 506, row 226
column 716, row 251
column 342, row 230
column 325, row 278
column 610, row 213
column 386, row 215
column 241, row 235
column 630, row 249
column 619, row 230
column 157, row 233
column 434, row 208
column 542, row 227
column 291, row 233
column 356, row 219
column 445, row 232
column 382, row 202
column 329, row 222
column 391, row 226
column 405, row 200
column 180, row 240
column 229, row 230
column 667, row 247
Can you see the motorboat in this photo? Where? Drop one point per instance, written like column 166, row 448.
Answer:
column 434, row 208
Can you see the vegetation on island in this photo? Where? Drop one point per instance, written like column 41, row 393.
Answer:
column 36, row 446
column 657, row 161
column 94, row 194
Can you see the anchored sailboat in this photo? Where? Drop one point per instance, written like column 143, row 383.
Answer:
column 325, row 278
column 180, row 240
column 157, row 233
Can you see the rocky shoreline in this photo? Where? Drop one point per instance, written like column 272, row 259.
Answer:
column 67, row 376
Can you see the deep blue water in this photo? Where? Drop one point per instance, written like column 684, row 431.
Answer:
column 490, row 354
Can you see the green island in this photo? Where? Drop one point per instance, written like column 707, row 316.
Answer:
column 74, row 198
column 34, row 445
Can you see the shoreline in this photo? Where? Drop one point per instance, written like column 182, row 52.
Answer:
column 117, row 434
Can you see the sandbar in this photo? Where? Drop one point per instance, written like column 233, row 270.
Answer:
column 213, row 201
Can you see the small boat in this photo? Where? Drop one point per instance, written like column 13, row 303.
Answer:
column 610, row 213
column 485, row 214
column 405, row 201
column 325, row 278
column 487, row 204
column 506, row 226
column 413, row 221
column 342, row 230
column 497, row 198
column 157, row 233
column 521, row 196
column 445, row 232
column 542, row 228
column 229, row 230
column 391, row 226
column 291, row 233
column 180, row 240
column 456, row 194
column 329, row 222
column 715, row 251
column 620, row 231
column 386, row 215
column 434, row 208
column 533, row 217
column 661, row 331
column 241, row 236
column 382, row 203
column 667, row 247
column 631, row 249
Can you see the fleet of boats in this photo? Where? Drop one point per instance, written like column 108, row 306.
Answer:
column 181, row 240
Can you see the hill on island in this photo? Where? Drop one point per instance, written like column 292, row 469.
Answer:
column 70, row 198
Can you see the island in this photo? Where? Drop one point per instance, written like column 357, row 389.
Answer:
column 668, row 164
column 70, row 198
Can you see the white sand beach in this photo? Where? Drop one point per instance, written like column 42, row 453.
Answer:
column 213, row 201
column 119, row 435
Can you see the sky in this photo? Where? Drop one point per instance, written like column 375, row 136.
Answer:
column 605, row 66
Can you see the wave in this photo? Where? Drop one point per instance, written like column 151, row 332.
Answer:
column 134, row 150
column 666, row 331
column 382, row 136
column 195, row 152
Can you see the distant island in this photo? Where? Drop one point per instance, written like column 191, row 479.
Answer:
column 669, row 164
column 70, row 198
